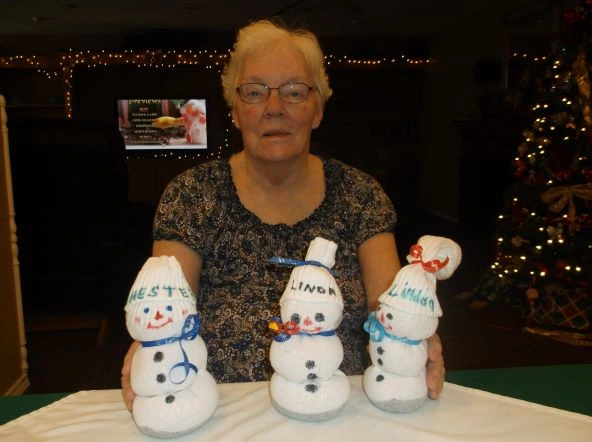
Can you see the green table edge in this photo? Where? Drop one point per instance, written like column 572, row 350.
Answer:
column 16, row 406
column 533, row 384
column 573, row 391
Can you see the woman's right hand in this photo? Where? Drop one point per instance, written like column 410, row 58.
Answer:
column 126, row 387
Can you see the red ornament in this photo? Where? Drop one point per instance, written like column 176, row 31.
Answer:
column 541, row 268
column 584, row 220
column 561, row 264
column 519, row 168
column 587, row 174
column 564, row 174
column 291, row 328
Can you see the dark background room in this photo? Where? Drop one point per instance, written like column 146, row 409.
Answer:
column 430, row 98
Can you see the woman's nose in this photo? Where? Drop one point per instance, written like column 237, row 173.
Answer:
column 274, row 103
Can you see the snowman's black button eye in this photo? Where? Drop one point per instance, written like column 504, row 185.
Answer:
column 295, row 318
column 319, row 317
column 389, row 316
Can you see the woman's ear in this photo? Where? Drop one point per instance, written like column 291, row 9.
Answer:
column 316, row 122
column 235, row 119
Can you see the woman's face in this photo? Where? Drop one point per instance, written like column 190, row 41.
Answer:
column 275, row 131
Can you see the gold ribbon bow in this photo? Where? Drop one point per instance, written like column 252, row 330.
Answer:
column 558, row 197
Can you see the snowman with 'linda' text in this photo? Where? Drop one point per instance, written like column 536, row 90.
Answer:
column 306, row 352
column 406, row 316
column 175, row 394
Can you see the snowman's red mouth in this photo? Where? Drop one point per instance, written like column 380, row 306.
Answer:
column 386, row 324
column 168, row 321
column 312, row 330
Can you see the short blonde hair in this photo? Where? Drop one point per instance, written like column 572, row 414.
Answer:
column 267, row 33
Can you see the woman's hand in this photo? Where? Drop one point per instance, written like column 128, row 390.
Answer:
column 435, row 367
column 126, row 388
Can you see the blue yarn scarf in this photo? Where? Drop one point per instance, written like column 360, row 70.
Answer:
column 188, row 333
column 377, row 332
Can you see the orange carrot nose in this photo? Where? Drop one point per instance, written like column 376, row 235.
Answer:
column 307, row 321
column 158, row 315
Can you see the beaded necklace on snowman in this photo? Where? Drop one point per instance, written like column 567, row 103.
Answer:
column 287, row 330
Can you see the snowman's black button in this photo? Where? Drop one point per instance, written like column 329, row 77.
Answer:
column 311, row 388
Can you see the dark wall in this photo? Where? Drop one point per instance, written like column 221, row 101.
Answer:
column 70, row 186
column 373, row 122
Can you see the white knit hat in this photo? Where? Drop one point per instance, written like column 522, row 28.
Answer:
column 312, row 281
column 440, row 249
column 160, row 279
column 414, row 288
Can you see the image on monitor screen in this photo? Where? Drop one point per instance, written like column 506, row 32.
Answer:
column 157, row 124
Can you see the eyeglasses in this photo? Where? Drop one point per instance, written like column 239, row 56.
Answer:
column 291, row 93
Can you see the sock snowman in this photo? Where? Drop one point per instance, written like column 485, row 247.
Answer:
column 407, row 314
column 306, row 353
column 174, row 392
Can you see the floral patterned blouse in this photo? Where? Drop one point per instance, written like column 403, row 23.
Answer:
column 239, row 289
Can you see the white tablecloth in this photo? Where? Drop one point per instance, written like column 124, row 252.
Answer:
column 245, row 414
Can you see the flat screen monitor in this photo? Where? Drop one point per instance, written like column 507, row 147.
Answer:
column 163, row 123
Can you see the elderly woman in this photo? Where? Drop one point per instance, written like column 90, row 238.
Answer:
column 223, row 220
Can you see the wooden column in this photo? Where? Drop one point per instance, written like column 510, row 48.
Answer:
column 13, row 370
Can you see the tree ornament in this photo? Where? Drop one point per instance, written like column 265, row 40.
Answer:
column 561, row 264
column 559, row 197
column 518, row 241
column 532, row 294
column 528, row 135
column 563, row 175
column 519, row 168
column 541, row 268
column 555, row 232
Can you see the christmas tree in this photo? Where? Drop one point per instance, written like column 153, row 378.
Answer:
column 543, row 249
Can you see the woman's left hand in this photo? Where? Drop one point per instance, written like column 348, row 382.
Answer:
column 435, row 367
